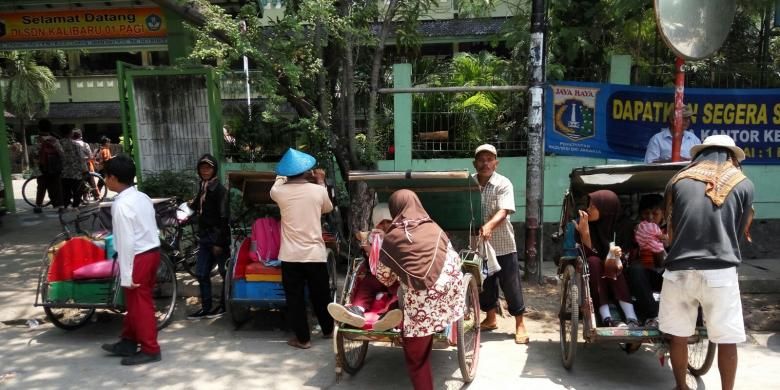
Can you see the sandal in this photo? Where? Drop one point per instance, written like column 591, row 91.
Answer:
column 297, row 344
column 521, row 338
column 483, row 326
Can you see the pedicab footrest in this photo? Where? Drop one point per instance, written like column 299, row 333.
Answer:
column 623, row 332
column 640, row 333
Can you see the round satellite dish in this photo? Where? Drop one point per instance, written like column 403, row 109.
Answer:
column 694, row 29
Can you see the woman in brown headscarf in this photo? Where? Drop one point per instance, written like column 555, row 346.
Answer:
column 596, row 228
column 417, row 252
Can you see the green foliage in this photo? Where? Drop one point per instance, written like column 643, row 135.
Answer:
column 479, row 116
column 167, row 184
column 259, row 137
column 30, row 85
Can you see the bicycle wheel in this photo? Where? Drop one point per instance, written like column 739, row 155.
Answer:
column 238, row 313
column 188, row 250
column 69, row 318
column 568, row 315
column 165, row 292
column 468, row 331
column 700, row 356
column 100, row 185
column 90, row 192
column 30, row 191
column 351, row 353
column 332, row 275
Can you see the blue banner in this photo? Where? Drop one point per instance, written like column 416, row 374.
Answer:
column 617, row 121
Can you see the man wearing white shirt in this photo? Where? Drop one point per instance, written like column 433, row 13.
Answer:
column 138, row 249
column 659, row 149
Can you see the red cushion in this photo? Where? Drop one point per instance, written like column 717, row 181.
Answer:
column 71, row 255
column 242, row 258
column 258, row 268
column 96, row 270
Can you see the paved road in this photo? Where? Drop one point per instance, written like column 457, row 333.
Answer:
column 211, row 354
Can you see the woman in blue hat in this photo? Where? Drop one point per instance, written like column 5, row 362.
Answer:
column 302, row 252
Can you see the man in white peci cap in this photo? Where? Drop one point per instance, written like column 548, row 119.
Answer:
column 498, row 203
column 705, row 223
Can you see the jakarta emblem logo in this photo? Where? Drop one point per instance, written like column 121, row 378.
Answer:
column 574, row 119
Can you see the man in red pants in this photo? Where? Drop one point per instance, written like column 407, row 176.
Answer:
column 138, row 249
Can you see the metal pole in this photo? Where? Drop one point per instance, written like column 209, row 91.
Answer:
column 534, row 191
column 679, row 94
column 487, row 88
column 242, row 25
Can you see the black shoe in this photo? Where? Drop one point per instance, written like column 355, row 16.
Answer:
column 141, row 358
column 216, row 313
column 351, row 315
column 200, row 314
column 122, row 348
column 37, row 210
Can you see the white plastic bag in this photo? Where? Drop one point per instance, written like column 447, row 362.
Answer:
column 490, row 264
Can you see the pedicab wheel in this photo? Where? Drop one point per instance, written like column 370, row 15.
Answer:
column 569, row 315
column 700, row 356
column 69, row 318
column 468, row 331
column 165, row 292
column 237, row 312
column 351, row 353
column 332, row 275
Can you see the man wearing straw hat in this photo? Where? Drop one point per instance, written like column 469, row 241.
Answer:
column 659, row 149
column 302, row 252
column 709, row 206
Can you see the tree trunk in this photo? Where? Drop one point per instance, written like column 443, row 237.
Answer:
column 376, row 68
column 348, row 94
column 26, row 160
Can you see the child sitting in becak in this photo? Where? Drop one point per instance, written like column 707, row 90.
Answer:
column 645, row 276
column 648, row 234
column 370, row 298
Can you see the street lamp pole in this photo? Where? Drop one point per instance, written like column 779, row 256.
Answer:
column 534, row 187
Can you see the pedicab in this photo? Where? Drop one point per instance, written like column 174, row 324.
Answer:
column 452, row 199
column 576, row 305
column 254, row 283
column 80, row 275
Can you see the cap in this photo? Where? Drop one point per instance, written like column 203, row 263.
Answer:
column 294, row 163
column 486, row 148
column 719, row 141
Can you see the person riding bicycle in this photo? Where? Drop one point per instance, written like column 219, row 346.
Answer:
column 211, row 205
column 74, row 167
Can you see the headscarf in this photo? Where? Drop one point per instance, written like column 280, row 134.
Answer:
column 602, row 231
column 716, row 168
column 414, row 247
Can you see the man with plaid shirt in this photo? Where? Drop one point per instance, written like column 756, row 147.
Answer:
column 498, row 202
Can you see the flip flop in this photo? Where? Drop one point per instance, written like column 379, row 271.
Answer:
column 521, row 339
column 487, row 327
column 297, row 344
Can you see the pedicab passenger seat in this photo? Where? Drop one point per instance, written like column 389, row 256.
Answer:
column 252, row 283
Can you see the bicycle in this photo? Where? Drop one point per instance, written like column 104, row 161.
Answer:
column 93, row 189
column 178, row 235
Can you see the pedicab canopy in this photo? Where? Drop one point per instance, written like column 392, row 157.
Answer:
column 256, row 186
column 623, row 179
column 452, row 198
